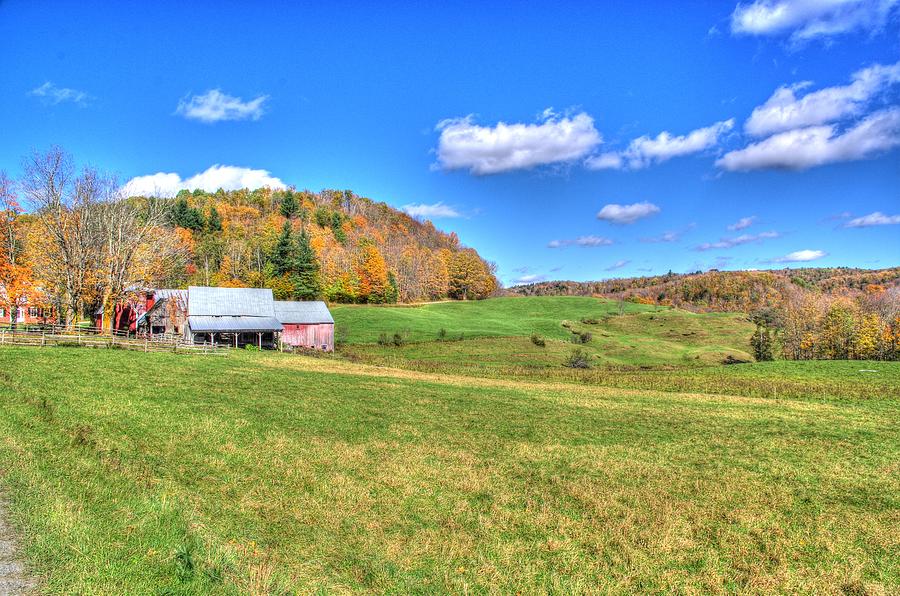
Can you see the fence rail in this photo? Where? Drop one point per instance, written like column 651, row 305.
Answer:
column 74, row 338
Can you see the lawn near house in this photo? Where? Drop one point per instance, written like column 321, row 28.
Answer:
column 264, row 472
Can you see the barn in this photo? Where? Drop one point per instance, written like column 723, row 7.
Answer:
column 166, row 313
column 232, row 316
column 306, row 324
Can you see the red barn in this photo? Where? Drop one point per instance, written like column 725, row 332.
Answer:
column 306, row 324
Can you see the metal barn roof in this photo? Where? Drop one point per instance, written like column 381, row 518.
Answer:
column 230, row 302
column 302, row 313
column 207, row 324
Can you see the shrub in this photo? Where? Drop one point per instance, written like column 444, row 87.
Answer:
column 590, row 321
column 250, row 348
column 383, row 339
column 538, row 340
column 442, row 334
column 398, row 340
column 581, row 337
column 578, row 359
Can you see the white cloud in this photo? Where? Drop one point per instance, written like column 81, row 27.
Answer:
column 215, row 106
column 216, row 177
column 784, row 111
column 800, row 256
column 873, row 219
column 433, row 211
column 742, row 223
column 818, row 145
column 530, row 279
column 737, row 240
column 645, row 151
column 626, row 214
column 618, row 264
column 506, row 147
column 810, row 19
column 51, row 94
column 583, row 241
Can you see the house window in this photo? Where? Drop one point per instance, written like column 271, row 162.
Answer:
column 2, row 312
column 33, row 311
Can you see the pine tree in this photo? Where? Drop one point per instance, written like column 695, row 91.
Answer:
column 392, row 294
column 282, row 255
column 214, row 221
column 307, row 284
column 289, row 205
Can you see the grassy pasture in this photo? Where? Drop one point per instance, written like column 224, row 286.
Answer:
column 263, row 472
column 495, row 333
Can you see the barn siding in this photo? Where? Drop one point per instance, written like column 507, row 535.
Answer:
column 307, row 336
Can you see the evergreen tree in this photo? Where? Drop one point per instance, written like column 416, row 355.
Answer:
column 762, row 344
column 307, row 284
column 392, row 293
column 289, row 205
column 282, row 255
column 214, row 221
column 185, row 216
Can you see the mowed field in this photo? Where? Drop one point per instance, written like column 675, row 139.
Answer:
column 267, row 473
column 490, row 334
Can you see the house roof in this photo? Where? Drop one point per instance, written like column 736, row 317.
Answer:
column 230, row 302
column 309, row 313
column 207, row 324
column 165, row 293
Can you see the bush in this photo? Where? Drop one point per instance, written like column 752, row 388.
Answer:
column 590, row 321
column 581, row 337
column 383, row 340
column 398, row 340
column 442, row 334
column 578, row 359
column 538, row 340
column 250, row 348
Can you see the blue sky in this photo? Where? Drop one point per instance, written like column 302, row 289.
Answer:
column 562, row 140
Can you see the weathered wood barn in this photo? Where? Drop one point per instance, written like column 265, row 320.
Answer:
column 232, row 316
column 166, row 313
column 306, row 324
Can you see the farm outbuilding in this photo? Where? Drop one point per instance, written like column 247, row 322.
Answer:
column 306, row 324
column 232, row 316
column 166, row 313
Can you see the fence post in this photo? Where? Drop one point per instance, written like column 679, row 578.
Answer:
column 43, row 338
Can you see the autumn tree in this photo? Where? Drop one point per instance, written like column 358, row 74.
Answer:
column 372, row 272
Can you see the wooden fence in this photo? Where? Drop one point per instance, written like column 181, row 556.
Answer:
column 58, row 336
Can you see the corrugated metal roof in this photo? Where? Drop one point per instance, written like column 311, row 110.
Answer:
column 165, row 293
column 309, row 313
column 207, row 324
column 230, row 302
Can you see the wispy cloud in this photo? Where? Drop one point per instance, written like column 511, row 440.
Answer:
column 800, row 256
column 626, row 214
column 873, row 219
column 813, row 146
column 530, row 279
column 645, row 151
column 52, row 95
column 618, row 264
column 742, row 224
column 804, row 20
column 465, row 145
column 583, row 241
column 785, row 111
column 432, row 211
column 215, row 106
column 670, row 235
column 737, row 241
column 216, row 177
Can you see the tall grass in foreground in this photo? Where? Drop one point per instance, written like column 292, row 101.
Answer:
column 265, row 473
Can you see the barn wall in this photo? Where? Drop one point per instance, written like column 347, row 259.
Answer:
column 306, row 336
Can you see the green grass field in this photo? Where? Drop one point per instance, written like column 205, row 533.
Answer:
column 495, row 333
column 267, row 473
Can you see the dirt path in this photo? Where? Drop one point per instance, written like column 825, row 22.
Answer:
column 14, row 579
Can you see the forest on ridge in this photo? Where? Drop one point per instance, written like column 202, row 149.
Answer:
column 74, row 244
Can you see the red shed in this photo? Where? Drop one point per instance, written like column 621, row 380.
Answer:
column 306, row 324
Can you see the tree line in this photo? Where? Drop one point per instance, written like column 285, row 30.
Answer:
column 73, row 242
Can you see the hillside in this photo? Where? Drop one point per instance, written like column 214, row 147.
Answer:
column 492, row 335
column 736, row 291
column 366, row 251
column 271, row 473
